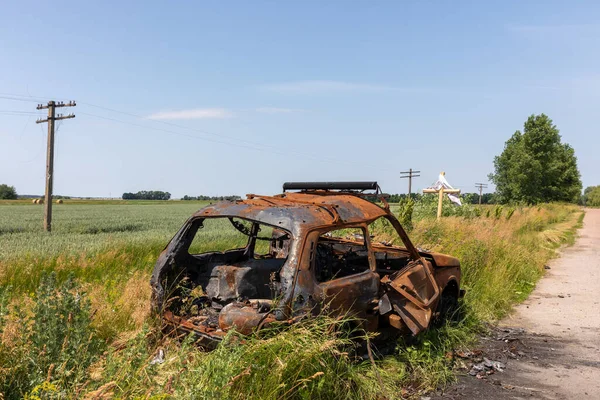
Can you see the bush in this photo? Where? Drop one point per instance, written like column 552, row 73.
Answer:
column 591, row 196
column 8, row 192
column 405, row 212
column 56, row 345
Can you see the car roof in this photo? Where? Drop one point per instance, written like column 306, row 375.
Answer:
column 298, row 211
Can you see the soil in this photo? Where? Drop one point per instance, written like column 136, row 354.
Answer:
column 550, row 345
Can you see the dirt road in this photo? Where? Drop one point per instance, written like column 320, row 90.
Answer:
column 557, row 356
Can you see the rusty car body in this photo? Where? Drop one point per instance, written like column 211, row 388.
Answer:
column 309, row 267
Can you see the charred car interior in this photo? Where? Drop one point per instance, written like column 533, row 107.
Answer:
column 248, row 263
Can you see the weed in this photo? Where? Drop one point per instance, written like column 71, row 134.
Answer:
column 510, row 213
column 498, row 211
column 57, row 343
column 405, row 213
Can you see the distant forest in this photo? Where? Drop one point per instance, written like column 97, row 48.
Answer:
column 216, row 198
column 469, row 198
column 147, row 195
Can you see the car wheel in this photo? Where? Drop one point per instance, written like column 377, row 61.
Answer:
column 448, row 308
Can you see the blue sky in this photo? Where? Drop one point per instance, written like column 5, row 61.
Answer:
column 237, row 97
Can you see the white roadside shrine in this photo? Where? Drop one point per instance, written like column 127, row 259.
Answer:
column 441, row 186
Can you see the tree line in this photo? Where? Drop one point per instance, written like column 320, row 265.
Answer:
column 591, row 196
column 147, row 195
column 213, row 198
column 469, row 198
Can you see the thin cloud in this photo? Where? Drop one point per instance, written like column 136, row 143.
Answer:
column 197, row 113
column 324, row 86
column 277, row 110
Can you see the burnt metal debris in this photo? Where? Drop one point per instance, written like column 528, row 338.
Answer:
column 320, row 256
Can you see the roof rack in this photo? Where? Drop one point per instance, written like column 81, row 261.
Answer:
column 341, row 186
column 354, row 188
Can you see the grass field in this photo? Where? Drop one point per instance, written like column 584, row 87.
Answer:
column 93, row 335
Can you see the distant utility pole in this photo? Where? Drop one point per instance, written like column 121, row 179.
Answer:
column 480, row 186
column 409, row 174
column 51, row 106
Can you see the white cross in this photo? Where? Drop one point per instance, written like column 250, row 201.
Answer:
column 441, row 186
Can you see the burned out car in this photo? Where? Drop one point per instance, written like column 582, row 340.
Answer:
column 249, row 263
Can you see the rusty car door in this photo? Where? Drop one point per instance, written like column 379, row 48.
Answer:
column 356, row 293
column 411, row 293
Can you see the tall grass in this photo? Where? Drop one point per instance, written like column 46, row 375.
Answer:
column 106, row 253
column 501, row 258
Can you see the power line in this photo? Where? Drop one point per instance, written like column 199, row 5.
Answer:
column 18, row 99
column 38, row 153
column 167, row 131
column 18, row 112
column 250, row 146
column 180, row 126
column 232, row 141
column 17, row 115
column 165, row 123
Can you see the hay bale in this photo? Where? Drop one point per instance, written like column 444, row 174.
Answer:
column 34, row 201
column 59, row 201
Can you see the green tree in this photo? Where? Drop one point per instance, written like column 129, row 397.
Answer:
column 536, row 167
column 7, row 192
column 591, row 196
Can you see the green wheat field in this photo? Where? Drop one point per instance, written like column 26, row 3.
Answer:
column 75, row 318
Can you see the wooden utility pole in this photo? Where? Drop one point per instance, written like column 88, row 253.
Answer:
column 480, row 186
column 440, row 193
column 52, row 117
column 409, row 174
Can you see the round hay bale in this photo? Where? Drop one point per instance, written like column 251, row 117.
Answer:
column 59, row 201
column 34, row 201
column 40, row 201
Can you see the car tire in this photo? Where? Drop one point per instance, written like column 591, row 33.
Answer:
column 448, row 309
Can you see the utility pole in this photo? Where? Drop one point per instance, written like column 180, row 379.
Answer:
column 481, row 186
column 52, row 117
column 409, row 174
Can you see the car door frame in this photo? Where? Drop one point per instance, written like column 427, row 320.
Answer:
column 354, row 295
column 416, row 257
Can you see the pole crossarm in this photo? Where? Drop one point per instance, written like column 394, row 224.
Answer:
column 452, row 191
column 56, row 104
column 410, row 174
column 60, row 116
